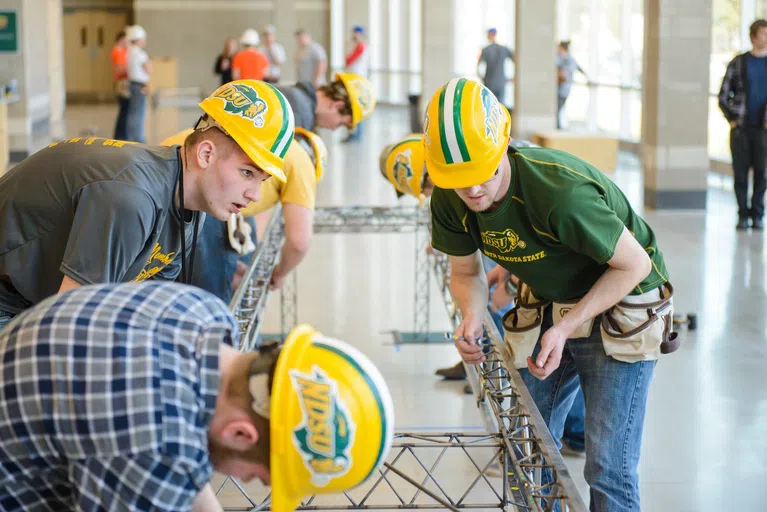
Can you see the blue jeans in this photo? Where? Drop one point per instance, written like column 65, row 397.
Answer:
column 5, row 318
column 615, row 395
column 575, row 424
column 121, row 124
column 357, row 133
column 215, row 261
column 488, row 264
column 136, row 113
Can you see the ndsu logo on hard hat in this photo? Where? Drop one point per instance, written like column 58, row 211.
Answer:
column 332, row 418
column 402, row 164
column 466, row 133
column 241, row 100
column 326, row 432
column 361, row 97
column 259, row 119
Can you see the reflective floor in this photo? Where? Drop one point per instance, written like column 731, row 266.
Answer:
column 705, row 438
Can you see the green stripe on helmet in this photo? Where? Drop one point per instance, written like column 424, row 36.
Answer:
column 287, row 119
column 441, row 121
column 457, row 96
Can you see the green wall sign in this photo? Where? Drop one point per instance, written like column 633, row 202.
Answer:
column 9, row 32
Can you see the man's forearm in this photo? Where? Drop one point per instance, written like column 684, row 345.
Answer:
column 470, row 293
column 206, row 501
column 606, row 292
column 290, row 257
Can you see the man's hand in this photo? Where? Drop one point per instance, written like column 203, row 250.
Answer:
column 733, row 124
column 496, row 276
column 552, row 344
column 465, row 338
column 277, row 280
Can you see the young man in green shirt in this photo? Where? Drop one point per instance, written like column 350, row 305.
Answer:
column 572, row 238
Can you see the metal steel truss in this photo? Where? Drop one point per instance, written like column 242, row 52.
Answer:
column 250, row 299
column 537, row 468
column 427, row 459
column 536, row 476
column 365, row 219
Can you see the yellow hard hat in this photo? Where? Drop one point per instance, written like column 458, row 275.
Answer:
column 332, row 419
column 319, row 151
column 466, row 132
column 361, row 96
column 259, row 119
column 402, row 164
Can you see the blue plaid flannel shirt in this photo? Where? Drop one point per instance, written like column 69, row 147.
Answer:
column 733, row 94
column 106, row 395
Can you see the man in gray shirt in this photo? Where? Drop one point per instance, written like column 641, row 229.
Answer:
column 494, row 57
column 92, row 210
column 311, row 60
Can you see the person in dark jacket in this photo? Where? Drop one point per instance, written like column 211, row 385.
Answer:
column 223, row 65
column 743, row 100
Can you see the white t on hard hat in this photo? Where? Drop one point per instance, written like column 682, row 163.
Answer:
column 250, row 37
column 135, row 32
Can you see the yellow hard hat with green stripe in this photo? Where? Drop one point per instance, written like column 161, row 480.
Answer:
column 466, row 132
column 257, row 117
column 402, row 163
column 319, row 151
column 332, row 419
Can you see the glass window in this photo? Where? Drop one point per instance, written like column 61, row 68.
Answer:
column 726, row 43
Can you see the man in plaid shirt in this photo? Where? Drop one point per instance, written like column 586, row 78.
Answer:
column 125, row 397
column 743, row 101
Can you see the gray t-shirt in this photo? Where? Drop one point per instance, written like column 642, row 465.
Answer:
column 276, row 56
column 307, row 59
column 494, row 56
column 96, row 210
column 303, row 100
column 570, row 66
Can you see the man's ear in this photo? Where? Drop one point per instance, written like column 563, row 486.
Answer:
column 239, row 435
column 205, row 150
column 338, row 105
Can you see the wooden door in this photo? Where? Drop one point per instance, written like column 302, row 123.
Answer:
column 78, row 59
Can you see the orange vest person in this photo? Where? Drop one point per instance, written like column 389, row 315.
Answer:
column 250, row 63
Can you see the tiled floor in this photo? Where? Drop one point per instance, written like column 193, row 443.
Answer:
column 705, row 439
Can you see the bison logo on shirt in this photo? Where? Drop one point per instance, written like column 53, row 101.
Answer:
column 243, row 100
column 504, row 241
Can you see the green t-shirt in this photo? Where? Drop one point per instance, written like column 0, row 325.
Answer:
column 556, row 228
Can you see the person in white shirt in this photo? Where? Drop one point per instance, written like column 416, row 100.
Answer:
column 275, row 52
column 139, row 70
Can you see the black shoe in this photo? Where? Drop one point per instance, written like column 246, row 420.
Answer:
column 757, row 224
column 742, row 224
column 457, row 372
column 467, row 390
